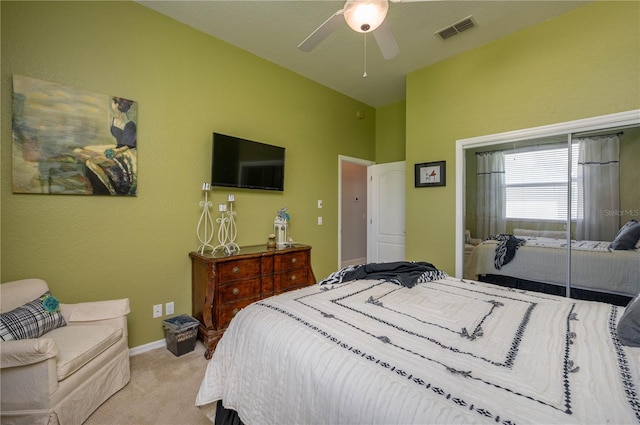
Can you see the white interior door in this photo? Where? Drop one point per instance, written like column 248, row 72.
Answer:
column 386, row 199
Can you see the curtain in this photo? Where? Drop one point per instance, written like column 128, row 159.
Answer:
column 491, row 200
column 598, row 188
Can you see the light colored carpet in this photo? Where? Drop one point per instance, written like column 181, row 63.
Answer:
column 162, row 391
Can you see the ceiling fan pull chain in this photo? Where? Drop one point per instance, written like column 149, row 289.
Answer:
column 365, row 56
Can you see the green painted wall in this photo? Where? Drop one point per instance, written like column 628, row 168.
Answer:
column 188, row 85
column 582, row 64
column 390, row 132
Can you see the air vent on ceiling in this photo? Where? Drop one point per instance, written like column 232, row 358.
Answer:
column 457, row 28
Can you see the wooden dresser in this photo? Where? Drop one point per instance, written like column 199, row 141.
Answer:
column 223, row 284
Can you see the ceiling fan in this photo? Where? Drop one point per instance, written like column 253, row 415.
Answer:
column 362, row 16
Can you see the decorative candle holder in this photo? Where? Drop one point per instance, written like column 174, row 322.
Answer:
column 227, row 230
column 232, row 231
column 204, row 229
column 222, row 227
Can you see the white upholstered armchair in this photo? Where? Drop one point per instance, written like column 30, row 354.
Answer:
column 65, row 374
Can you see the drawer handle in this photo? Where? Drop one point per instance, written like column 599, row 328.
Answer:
column 235, row 291
column 236, row 269
column 293, row 277
column 235, row 311
column 293, row 260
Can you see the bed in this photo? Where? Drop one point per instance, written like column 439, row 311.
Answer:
column 443, row 351
column 542, row 259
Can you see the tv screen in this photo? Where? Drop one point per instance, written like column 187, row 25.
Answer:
column 246, row 164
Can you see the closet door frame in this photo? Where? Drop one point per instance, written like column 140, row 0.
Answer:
column 602, row 122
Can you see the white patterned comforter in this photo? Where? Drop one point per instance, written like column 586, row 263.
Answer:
column 448, row 351
column 544, row 260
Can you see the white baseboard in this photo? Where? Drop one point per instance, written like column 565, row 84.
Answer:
column 354, row 262
column 161, row 343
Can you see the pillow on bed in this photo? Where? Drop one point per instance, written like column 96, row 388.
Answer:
column 627, row 237
column 629, row 324
column 32, row 320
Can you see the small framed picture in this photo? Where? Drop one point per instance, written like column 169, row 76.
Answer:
column 431, row 174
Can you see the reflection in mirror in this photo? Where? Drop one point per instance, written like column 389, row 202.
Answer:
column 542, row 214
column 608, row 199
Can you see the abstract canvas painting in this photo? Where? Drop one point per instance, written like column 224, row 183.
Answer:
column 72, row 141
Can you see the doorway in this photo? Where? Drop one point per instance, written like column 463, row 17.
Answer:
column 352, row 209
column 370, row 197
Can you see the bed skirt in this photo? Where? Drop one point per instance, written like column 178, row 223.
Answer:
column 226, row 416
column 548, row 288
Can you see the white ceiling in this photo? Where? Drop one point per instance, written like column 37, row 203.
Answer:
column 273, row 29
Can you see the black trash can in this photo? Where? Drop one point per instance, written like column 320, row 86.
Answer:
column 181, row 333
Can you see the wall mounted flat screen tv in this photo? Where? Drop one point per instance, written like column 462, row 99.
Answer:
column 246, row 164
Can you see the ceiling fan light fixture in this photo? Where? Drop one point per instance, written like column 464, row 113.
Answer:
column 365, row 15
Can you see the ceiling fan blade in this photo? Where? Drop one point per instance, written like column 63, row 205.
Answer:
column 386, row 40
column 322, row 32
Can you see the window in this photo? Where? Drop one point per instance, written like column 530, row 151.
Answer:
column 536, row 182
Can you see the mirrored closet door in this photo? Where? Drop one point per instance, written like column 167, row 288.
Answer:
column 607, row 197
column 543, row 207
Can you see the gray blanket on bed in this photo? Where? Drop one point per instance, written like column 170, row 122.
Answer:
column 405, row 273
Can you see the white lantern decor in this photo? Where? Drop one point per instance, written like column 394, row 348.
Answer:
column 281, row 228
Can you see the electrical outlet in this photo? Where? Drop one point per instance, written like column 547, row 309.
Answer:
column 168, row 308
column 157, row 310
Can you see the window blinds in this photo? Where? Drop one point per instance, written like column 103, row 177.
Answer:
column 536, row 182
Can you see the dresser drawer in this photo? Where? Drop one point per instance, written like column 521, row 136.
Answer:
column 291, row 261
column 238, row 290
column 267, row 286
column 238, row 269
column 228, row 311
column 222, row 285
column 291, row 280
column 266, row 267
